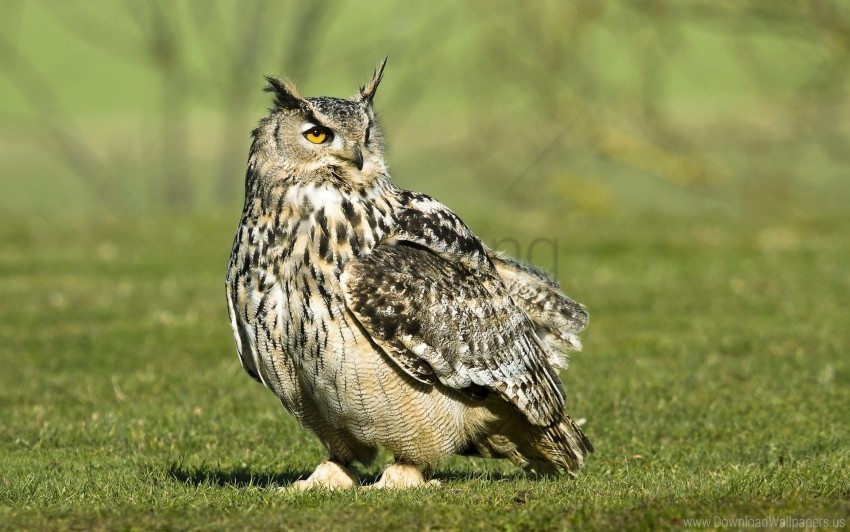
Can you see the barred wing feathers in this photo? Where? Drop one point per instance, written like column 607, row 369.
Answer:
column 557, row 318
column 440, row 320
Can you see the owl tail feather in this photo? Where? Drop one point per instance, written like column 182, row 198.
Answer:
column 539, row 450
column 563, row 446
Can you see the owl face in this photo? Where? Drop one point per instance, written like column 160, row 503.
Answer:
column 319, row 136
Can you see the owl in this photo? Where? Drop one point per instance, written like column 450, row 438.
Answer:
column 378, row 318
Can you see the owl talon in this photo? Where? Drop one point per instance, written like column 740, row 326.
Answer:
column 402, row 476
column 327, row 476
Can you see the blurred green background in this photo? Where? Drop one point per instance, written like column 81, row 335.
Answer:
column 588, row 108
column 680, row 166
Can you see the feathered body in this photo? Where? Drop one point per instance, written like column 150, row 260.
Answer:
column 378, row 318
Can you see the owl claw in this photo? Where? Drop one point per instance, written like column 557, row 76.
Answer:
column 402, row 476
column 327, row 476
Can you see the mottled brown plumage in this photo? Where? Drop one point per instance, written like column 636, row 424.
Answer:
column 378, row 318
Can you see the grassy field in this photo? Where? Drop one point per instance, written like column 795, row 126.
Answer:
column 714, row 381
column 681, row 167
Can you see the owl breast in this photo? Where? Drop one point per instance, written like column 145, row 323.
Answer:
column 307, row 347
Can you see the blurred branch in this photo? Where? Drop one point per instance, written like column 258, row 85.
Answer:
column 210, row 24
column 409, row 83
column 783, row 18
column 673, row 167
column 540, row 45
column 166, row 53
column 535, row 162
column 546, row 50
column 79, row 21
column 160, row 46
column 238, row 83
column 12, row 12
column 305, row 30
column 57, row 125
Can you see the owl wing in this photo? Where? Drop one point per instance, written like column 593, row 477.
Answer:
column 434, row 303
column 244, row 345
column 557, row 318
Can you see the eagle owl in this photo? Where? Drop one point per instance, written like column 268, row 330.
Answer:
column 379, row 319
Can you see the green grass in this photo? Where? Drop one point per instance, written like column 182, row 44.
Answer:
column 714, row 380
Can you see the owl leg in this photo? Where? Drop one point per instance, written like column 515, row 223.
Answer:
column 402, row 476
column 328, row 475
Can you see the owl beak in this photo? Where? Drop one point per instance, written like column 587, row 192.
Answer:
column 358, row 158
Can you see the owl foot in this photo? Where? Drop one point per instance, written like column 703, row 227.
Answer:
column 328, row 476
column 402, row 476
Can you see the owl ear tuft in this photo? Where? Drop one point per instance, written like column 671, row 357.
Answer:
column 367, row 91
column 285, row 94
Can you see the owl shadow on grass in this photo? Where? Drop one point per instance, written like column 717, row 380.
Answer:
column 459, row 475
column 236, row 477
column 245, row 477
column 449, row 474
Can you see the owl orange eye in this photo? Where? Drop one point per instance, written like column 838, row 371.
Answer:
column 318, row 135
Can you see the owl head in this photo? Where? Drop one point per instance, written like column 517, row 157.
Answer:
column 323, row 137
